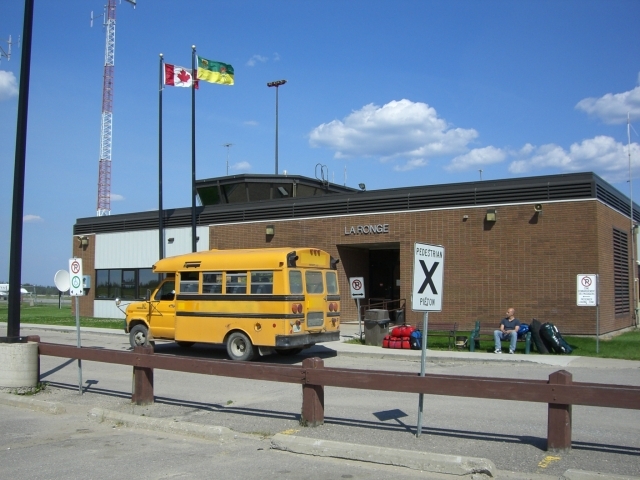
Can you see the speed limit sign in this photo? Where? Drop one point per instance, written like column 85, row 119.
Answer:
column 75, row 277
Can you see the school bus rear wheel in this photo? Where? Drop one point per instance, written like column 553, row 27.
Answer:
column 239, row 347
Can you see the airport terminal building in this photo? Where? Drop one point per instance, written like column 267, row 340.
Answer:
column 514, row 242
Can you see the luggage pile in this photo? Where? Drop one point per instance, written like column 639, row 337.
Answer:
column 547, row 338
column 404, row 336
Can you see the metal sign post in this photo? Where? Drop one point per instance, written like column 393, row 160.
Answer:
column 588, row 295
column 76, row 290
column 426, row 296
column 357, row 292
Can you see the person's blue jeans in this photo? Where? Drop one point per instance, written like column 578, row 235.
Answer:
column 498, row 336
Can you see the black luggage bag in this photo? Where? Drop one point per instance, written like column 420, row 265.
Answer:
column 537, row 339
column 553, row 340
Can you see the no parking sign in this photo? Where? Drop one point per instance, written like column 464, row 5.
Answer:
column 75, row 277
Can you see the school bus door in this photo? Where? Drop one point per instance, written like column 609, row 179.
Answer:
column 163, row 311
column 315, row 304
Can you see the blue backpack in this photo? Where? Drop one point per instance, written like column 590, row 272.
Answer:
column 523, row 330
column 415, row 340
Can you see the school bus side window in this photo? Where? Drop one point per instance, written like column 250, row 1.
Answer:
column 295, row 281
column 166, row 292
column 261, row 282
column 332, row 283
column 314, row 281
column 236, row 282
column 189, row 282
column 212, row 282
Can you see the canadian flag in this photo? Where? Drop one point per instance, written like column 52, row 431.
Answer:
column 178, row 76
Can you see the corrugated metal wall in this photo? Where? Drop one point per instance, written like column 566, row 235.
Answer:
column 140, row 249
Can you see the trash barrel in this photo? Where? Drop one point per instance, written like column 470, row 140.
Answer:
column 376, row 326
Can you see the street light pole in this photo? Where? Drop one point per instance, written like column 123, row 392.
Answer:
column 276, row 84
column 228, row 145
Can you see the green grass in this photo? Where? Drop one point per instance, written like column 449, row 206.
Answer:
column 623, row 347
column 50, row 314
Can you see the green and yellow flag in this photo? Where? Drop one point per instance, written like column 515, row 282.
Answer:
column 215, row 72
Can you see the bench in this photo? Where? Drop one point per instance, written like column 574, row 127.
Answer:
column 479, row 333
column 443, row 330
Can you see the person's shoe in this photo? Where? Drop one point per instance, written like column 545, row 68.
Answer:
column 498, row 351
column 511, row 352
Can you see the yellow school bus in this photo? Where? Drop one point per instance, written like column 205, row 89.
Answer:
column 256, row 301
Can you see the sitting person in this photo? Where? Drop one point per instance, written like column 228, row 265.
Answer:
column 509, row 327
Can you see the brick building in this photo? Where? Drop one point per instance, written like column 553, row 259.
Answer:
column 514, row 242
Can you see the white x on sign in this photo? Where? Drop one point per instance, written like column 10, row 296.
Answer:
column 428, row 274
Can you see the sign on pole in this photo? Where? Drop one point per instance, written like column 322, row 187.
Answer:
column 75, row 277
column 587, row 291
column 428, row 275
column 357, row 287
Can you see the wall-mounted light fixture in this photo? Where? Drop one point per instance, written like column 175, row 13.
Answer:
column 270, row 231
column 83, row 241
column 538, row 208
column 170, row 240
column 465, row 218
column 491, row 215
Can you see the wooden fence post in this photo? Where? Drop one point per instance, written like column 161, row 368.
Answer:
column 142, row 380
column 559, row 416
column 312, row 397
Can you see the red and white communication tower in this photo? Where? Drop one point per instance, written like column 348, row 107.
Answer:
column 104, row 169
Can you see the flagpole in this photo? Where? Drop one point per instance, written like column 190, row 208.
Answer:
column 193, row 149
column 160, row 211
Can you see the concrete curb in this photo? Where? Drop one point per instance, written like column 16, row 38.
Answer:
column 208, row 432
column 582, row 475
column 11, row 400
column 415, row 460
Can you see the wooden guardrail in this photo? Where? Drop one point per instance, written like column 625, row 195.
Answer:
column 559, row 391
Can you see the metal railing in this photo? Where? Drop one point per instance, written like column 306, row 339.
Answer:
column 559, row 391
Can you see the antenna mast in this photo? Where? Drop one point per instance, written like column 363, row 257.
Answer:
column 104, row 168
column 6, row 54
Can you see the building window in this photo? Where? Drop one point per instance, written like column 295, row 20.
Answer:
column 129, row 284
column 621, row 272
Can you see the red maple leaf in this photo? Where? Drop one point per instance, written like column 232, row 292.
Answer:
column 183, row 76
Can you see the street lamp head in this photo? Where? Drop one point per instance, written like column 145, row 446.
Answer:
column 277, row 83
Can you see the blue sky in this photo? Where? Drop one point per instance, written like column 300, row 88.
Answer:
column 398, row 93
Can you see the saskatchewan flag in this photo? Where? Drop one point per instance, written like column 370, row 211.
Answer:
column 215, row 72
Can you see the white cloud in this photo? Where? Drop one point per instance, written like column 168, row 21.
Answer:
column 613, row 108
column 399, row 129
column 477, row 157
column 255, row 59
column 241, row 166
column 276, row 57
column 251, row 123
column 8, row 85
column 32, row 219
column 116, row 198
column 601, row 154
column 411, row 165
